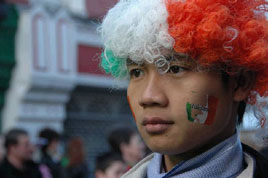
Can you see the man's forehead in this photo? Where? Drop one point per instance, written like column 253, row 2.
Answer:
column 169, row 57
column 23, row 138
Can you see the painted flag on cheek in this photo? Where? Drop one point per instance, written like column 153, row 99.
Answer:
column 202, row 114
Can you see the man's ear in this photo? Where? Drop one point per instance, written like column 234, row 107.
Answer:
column 244, row 84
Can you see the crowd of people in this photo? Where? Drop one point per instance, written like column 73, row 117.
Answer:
column 127, row 149
column 23, row 159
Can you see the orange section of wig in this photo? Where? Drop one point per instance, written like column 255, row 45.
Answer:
column 230, row 32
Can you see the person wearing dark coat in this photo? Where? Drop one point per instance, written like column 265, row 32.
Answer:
column 18, row 160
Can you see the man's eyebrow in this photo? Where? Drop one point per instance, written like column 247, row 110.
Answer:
column 177, row 57
column 130, row 63
column 183, row 60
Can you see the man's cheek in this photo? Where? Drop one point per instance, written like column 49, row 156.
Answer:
column 131, row 109
column 202, row 109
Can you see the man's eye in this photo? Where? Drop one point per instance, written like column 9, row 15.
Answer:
column 175, row 69
column 135, row 73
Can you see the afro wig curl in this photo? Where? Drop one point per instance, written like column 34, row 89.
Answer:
column 229, row 32
column 135, row 30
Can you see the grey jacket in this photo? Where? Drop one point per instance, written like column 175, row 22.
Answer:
column 140, row 169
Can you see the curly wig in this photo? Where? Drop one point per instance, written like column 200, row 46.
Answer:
column 134, row 29
column 229, row 33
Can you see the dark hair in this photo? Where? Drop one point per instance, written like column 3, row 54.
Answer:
column 241, row 111
column 49, row 135
column 11, row 137
column 119, row 136
column 264, row 152
column 105, row 160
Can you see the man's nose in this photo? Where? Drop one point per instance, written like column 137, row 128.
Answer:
column 154, row 93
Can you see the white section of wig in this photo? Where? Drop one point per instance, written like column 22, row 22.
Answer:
column 137, row 29
column 257, row 115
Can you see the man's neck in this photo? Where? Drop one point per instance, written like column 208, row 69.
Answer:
column 170, row 161
column 17, row 163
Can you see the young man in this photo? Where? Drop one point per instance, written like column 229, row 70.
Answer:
column 192, row 65
column 109, row 165
column 49, row 139
column 126, row 142
column 18, row 161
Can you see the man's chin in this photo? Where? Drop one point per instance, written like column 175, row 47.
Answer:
column 168, row 148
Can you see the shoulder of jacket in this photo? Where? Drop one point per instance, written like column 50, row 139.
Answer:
column 140, row 169
column 248, row 172
column 257, row 165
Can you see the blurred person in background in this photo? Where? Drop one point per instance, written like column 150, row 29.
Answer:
column 2, row 149
column 18, row 160
column 127, row 142
column 49, row 153
column 192, row 66
column 74, row 165
column 109, row 165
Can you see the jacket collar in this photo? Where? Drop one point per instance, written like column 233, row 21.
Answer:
column 227, row 155
column 251, row 157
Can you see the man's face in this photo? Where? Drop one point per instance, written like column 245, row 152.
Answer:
column 135, row 148
column 23, row 150
column 180, row 110
column 116, row 170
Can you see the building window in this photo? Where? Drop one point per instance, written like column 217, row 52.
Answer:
column 63, row 45
column 40, row 42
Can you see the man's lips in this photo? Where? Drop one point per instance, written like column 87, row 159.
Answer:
column 156, row 120
column 156, row 125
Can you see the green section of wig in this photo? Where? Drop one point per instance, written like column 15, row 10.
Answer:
column 113, row 65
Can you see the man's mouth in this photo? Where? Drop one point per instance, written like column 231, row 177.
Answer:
column 156, row 125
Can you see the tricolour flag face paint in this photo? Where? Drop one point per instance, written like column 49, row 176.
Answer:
column 203, row 114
